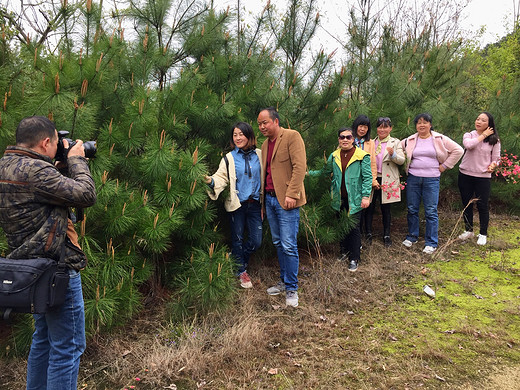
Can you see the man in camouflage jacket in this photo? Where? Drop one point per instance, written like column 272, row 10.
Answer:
column 34, row 201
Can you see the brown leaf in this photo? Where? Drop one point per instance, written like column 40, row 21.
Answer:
column 273, row 371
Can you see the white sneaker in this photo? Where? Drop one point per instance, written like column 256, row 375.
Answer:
column 407, row 243
column 481, row 240
column 276, row 289
column 466, row 235
column 291, row 298
column 429, row 249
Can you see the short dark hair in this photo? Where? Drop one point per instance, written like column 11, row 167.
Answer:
column 359, row 121
column 248, row 132
column 341, row 130
column 427, row 117
column 33, row 129
column 493, row 138
column 273, row 114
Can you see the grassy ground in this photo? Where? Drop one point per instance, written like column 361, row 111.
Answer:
column 374, row 329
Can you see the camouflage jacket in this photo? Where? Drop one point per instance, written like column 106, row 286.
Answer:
column 34, row 201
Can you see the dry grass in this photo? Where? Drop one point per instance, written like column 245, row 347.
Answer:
column 349, row 332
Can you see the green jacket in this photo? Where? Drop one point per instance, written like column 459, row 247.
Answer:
column 358, row 178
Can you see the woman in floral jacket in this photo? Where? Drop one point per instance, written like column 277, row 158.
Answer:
column 388, row 155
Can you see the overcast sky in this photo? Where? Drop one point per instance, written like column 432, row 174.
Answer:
column 495, row 15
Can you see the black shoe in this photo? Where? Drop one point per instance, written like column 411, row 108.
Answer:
column 352, row 266
column 342, row 257
column 387, row 241
column 368, row 238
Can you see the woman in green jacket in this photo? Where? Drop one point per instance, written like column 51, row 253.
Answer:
column 350, row 189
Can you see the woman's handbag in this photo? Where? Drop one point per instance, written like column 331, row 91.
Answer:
column 32, row 285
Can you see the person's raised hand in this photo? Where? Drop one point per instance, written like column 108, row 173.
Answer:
column 76, row 150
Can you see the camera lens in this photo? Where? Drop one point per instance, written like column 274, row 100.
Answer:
column 90, row 148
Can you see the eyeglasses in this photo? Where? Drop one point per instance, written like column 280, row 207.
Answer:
column 349, row 137
column 384, row 119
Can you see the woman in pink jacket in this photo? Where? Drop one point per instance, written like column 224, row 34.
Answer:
column 428, row 154
column 480, row 159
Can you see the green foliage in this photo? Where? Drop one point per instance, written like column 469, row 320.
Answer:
column 160, row 103
column 205, row 281
column 483, row 283
column 20, row 339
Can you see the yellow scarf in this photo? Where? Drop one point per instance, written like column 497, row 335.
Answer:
column 378, row 149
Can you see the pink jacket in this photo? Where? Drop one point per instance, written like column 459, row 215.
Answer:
column 448, row 151
column 478, row 156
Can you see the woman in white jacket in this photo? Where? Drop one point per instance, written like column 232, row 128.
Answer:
column 388, row 156
column 242, row 170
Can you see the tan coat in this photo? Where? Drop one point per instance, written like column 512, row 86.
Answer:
column 370, row 148
column 288, row 166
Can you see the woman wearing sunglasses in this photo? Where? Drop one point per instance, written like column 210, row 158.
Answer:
column 350, row 189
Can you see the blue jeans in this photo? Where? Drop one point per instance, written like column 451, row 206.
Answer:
column 427, row 190
column 249, row 214
column 58, row 342
column 284, row 231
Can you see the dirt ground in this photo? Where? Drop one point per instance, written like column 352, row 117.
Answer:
column 501, row 379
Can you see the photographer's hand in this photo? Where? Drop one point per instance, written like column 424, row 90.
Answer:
column 76, row 150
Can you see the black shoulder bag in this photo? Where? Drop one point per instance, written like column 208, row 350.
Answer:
column 32, row 285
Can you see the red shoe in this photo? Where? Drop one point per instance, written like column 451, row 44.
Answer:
column 245, row 280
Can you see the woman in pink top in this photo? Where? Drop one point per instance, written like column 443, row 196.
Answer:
column 428, row 154
column 480, row 159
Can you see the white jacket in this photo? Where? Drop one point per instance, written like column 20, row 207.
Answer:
column 221, row 180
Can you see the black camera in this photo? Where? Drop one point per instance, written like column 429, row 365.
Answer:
column 61, row 153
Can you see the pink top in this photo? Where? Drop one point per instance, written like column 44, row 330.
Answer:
column 478, row 155
column 448, row 151
column 424, row 162
column 379, row 157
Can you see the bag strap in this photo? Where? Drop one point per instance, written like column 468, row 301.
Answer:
column 227, row 165
column 61, row 261
column 7, row 313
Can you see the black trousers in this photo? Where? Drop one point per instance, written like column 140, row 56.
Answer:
column 385, row 212
column 471, row 187
column 351, row 243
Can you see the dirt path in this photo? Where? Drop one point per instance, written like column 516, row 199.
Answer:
column 503, row 378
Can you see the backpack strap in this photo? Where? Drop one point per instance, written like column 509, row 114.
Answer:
column 227, row 165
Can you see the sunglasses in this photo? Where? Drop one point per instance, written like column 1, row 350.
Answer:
column 349, row 137
column 384, row 119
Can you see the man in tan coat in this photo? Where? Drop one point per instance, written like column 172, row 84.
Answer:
column 284, row 165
